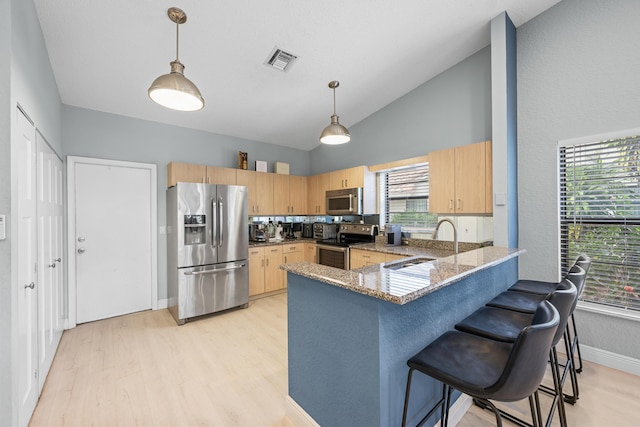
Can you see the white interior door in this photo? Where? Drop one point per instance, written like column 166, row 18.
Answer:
column 50, row 266
column 113, row 237
column 27, row 362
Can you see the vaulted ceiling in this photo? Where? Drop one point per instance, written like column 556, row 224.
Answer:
column 105, row 54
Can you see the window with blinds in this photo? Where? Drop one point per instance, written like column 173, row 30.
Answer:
column 407, row 199
column 600, row 216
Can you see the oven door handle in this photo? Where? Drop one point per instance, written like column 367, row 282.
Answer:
column 333, row 248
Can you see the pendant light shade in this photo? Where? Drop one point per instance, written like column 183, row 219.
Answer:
column 335, row 133
column 174, row 90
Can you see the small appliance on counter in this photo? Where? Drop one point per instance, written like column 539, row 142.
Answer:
column 394, row 234
column 324, row 231
column 257, row 233
column 307, row 230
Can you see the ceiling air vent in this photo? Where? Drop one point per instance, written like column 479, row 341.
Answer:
column 280, row 60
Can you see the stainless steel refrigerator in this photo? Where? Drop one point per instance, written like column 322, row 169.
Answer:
column 207, row 249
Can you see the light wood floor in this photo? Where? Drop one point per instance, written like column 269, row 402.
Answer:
column 229, row 370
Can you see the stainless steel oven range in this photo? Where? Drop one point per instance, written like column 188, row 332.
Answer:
column 335, row 252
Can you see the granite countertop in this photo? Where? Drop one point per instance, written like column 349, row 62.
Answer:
column 403, row 285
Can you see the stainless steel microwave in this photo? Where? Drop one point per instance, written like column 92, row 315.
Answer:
column 344, row 202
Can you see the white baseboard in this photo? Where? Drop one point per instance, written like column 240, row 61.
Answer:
column 300, row 418
column 297, row 415
column 610, row 360
column 162, row 303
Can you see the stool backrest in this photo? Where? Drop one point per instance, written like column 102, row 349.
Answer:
column 564, row 300
column 527, row 361
column 584, row 261
column 578, row 276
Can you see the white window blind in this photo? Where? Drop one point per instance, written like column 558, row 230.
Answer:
column 600, row 216
column 407, row 199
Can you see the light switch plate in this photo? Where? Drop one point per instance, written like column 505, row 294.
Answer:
column 501, row 199
column 3, row 227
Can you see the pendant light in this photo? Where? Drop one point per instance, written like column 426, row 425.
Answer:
column 174, row 90
column 335, row 133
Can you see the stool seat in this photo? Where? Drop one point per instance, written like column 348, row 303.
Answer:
column 534, row 287
column 495, row 323
column 522, row 302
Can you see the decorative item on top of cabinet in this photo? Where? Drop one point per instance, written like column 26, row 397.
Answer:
column 460, row 178
column 243, row 160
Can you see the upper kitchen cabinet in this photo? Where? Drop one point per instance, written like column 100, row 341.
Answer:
column 290, row 194
column 317, row 186
column 460, row 180
column 189, row 172
column 348, row 178
column 225, row 176
column 260, row 186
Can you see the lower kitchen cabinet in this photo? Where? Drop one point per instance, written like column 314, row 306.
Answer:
column 310, row 253
column 360, row 258
column 264, row 270
column 290, row 254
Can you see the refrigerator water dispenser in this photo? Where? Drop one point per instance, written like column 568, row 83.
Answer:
column 195, row 229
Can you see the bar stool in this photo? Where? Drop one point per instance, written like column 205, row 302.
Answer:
column 524, row 302
column 488, row 369
column 583, row 261
column 504, row 325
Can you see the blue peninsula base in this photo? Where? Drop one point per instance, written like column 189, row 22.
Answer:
column 348, row 351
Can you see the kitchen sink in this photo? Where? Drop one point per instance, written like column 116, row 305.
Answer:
column 408, row 263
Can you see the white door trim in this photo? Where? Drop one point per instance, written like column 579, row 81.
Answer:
column 71, row 220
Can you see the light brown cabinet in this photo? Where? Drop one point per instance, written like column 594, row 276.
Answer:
column 289, row 194
column 185, row 172
column 256, row 271
column 460, row 180
column 264, row 269
column 218, row 175
column 290, row 254
column 361, row 258
column 310, row 253
column 317, row 186
column 274, row 277
column 260, row 189
column 189, row 172
column 348, row 178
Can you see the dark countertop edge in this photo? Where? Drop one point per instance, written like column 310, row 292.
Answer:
column 329, row 275
column 282, row 242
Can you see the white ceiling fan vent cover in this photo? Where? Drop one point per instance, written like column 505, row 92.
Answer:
column 280, row 60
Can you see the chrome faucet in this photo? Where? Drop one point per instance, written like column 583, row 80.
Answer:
column 455, row 233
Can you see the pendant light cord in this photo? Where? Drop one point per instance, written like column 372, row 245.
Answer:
column 334, row 101
column 177, row 40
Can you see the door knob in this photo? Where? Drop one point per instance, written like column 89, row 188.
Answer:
column 52, row 265
column 30, row 285
column 80, row 250
column 57, row 260
column 81, row 239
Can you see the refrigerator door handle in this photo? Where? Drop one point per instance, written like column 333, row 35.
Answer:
column 220, row 221
column 214, row 222
column 215, row 270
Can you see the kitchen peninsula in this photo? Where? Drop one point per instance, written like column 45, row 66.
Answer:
column 351, row 332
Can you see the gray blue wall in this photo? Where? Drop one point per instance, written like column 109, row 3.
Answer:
column 89, row 133
column 453, row 108
column 578, row 75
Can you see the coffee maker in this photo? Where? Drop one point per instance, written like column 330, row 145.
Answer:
column 394, row 234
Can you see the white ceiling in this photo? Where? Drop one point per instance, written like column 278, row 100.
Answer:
column 106, row 53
